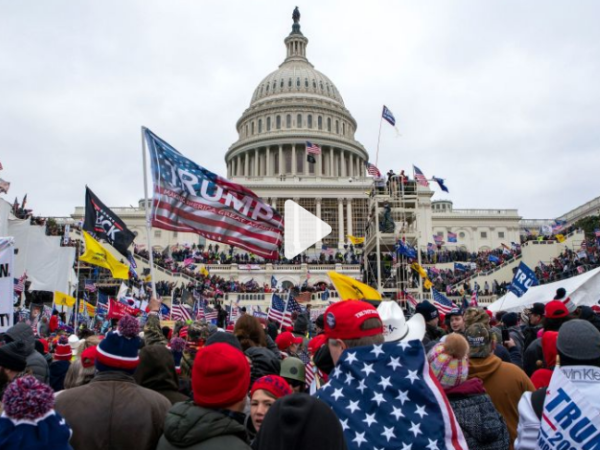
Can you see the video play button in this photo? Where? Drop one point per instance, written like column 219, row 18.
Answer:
column 302, row 229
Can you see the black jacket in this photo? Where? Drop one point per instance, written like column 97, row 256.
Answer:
column 156, row 371
column 192, row 427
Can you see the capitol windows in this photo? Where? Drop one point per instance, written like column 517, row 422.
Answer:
column 344, row 128
column 290, row 83
column 260, row 125
column 278, row 122
column 321, row 84
column 314, row 84
column 268, row 124
column 298, row 82
column 157, row 233
column 310, row 124
column 246, row 130
column 306, row 82
column 483, row 235
column 320, row 123
column 287, row 155
column 252, row 128
column 299, row 120
column 267, row 87
column 337, row 127
column 461, row 235
column 174, row 234
column 281, row 85
column 329, row 124
column 500, row 234
column 288, row 121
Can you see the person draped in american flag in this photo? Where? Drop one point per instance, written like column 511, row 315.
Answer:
column 383, row 392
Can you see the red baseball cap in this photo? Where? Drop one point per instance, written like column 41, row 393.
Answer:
column 343, row 320
column 316, row 343
column 556, row 310
column 285, row 339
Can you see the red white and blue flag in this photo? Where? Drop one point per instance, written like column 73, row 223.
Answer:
column 373, row 170
column 179, row 312
column 385, row 398
column 279, row 312
column 312, row 149
column 189, row 198
column 419, row 177
column 443, row 304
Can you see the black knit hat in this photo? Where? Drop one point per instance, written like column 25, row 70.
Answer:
column 12, row 356
column 297, row 421
column 428, row 311
column 225, row 338
column 320, row 322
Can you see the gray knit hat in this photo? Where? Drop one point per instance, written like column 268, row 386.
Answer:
column 579, row 340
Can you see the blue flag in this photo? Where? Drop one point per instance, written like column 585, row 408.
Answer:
column 273, row 282
column 460, row 267
column 384, row 397
column 440, row 182
column 524, row 278
column 404, row 249
column 493, row 259
column 388, row 116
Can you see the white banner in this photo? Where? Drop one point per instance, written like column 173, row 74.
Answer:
column 66, row 235
column 568, row 420
column 7, row 268
column 249, row 267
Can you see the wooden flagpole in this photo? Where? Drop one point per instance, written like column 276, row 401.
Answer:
column 148, row 227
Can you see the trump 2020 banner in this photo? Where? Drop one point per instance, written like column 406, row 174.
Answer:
column 7, row 285
column 524, row 278
column 190, row 198
column 569, row 422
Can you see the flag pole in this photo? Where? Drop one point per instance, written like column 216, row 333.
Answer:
column 285, row 309
column 78, row 283
column 148, row 227
column 378, row 140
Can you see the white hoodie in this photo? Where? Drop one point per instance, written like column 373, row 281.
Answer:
column 585, row 378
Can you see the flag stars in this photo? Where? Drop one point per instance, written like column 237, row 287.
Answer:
column 404, row 345
column 415, row 429
column 361, row 386
column 421, row 411
column 406, row 446
column 388, row 433
column 349, row 378
column 397, row 413
column 367, row 369
column 378, row 397
column 402, row 396
column 337, row 393
column 370, row 419
column 385, row 382
column 432, row 444
column 359, row 438
column 412, row 376
column 353, row 406
column 336, row 372
column 351, row 358
column 344, row 424
column 394, row 363
column 377, row 350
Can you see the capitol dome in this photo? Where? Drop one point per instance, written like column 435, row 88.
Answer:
column 291, row 106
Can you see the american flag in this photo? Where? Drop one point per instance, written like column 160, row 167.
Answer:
column 419, row 177
column 373, row 171
column 210, row 314
column 258, row 312
column 312, row 149
column 597, row 232
column 179, row 312
column 443, row 304
column 211, row 206
column 385, row 397
column 20, row 284
column 90, row 286
column 278, row 312
column 413, row 302
column 474, row 300
column 452, row 237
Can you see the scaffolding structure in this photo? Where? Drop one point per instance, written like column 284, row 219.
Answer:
column 392, row 217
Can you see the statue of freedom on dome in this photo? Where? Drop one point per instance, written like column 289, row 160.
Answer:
column 296, row 15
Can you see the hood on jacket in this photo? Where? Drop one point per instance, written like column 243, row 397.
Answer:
column 474, row 386
column 264, row 362
column 21, row 332
column 483, row 368
column 587, row 313
column 188, row 424
column 156, row 370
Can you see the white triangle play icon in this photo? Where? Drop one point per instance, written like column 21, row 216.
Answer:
column 302, row 229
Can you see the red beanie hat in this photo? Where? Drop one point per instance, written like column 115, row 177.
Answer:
column 63, row 350
column 273, row 384
column 220, row 376
column 541, row 378
column 316, row 343
column 88, row 357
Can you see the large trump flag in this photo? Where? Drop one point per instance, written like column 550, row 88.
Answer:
column 190, row 198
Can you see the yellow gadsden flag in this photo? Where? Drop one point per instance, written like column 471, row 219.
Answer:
column 356, row 240
column 419, row 269
column 91, row 309
column 560, row 238
column 427, row 284
column 97, row 255
column 61, row 299
column 351, row 289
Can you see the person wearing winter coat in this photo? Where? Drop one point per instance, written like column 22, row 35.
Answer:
column 578, row 348
column 482, row 425
column 264, row 362
column 112, row 412
column 534, row 315
column 504, row 382
column 36, row 363
column 60, row 366
column 156, row 371
column 214, row 419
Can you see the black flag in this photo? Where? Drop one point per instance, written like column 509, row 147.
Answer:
column 311, row 159
column 102, row 223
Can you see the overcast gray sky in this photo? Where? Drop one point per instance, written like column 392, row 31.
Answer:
column 500, row 97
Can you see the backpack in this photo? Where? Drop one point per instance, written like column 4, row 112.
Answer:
column 537, row 401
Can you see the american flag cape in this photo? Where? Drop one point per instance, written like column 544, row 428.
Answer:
column 189, row 198
column 385, row 398
column 440, row 301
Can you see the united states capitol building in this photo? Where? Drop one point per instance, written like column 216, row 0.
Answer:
column 297, row 103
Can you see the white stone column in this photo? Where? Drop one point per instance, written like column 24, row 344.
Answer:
column 268, row 162
column 256, row 165
column 306, row 163
column 340, row 223
column 281, row 166
column 331, row 168
column 293, row 159
column 246, row 163
column 349, row 215
column 319, row 165
column 343, row 162
column 237, row 166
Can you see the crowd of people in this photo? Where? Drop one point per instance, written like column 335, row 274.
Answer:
column 325, row 383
